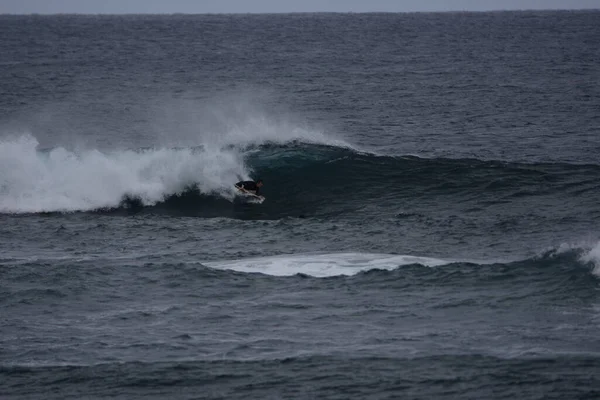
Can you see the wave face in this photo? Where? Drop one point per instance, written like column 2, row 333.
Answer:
column 346, row 173
column 301, row 176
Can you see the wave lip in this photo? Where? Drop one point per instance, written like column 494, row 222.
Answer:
column 322, row 265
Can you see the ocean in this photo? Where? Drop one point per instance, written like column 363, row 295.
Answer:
column 430, row 228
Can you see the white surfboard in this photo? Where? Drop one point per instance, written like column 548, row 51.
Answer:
column 250, row 197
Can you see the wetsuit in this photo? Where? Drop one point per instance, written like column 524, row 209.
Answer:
column 249, row 185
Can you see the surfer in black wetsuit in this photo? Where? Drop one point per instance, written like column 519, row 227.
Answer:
column 250, row 186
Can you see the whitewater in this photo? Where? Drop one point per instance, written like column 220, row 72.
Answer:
column 64, row 180
column 58, row 180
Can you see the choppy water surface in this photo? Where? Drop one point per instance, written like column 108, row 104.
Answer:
column 430, row 228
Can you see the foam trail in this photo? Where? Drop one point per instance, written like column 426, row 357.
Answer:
column 322, row 265
column 61, row 180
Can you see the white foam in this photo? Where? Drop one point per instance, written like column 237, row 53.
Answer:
column 593, row 256
column 62, row 180
column 322, row 265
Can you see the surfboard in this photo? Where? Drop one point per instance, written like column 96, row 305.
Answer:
column 250, row 197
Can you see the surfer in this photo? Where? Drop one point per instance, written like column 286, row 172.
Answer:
column 250, row 187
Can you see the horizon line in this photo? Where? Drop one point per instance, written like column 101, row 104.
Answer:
column 303, row 12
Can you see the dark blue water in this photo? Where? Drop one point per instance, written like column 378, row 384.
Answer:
column 430, row 229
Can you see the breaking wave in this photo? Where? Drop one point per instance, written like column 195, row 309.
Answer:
column 300, row 175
